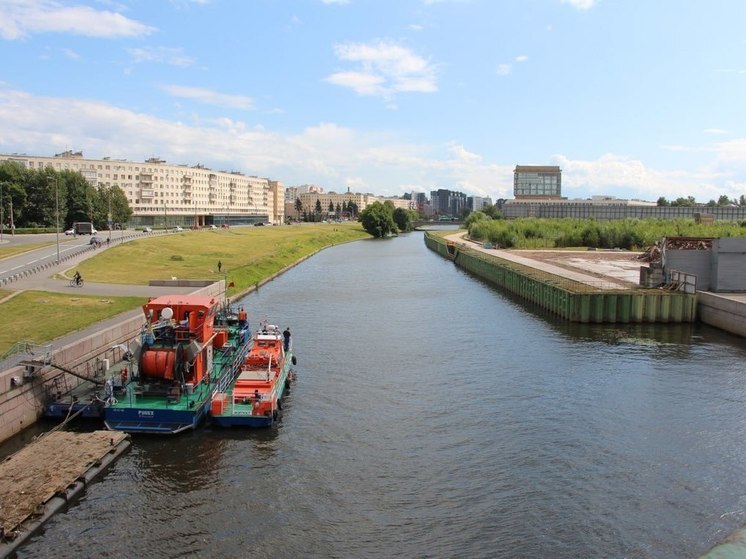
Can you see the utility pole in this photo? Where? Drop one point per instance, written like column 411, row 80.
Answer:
column 56, row 213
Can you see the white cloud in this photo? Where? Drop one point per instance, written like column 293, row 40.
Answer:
column 21, row 18
column 331, row 155
column 504, row 69
column 580, row 4
column 632, row 178
column 521, row 58
column 716, row 131
column 164, row 55
column 384, row 69
column 416, row 27
column 209, row 97
column 336, row 1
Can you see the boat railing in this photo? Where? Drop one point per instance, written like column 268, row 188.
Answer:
column 233, row 368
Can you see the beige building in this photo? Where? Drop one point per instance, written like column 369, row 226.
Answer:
column 160, row 193
column 309, row 195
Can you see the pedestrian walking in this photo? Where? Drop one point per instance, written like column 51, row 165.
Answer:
column 220, row 266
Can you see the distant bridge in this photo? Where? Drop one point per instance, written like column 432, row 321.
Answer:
column 419, row 224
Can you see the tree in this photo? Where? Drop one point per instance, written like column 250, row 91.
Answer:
column 403, row 219
column 663, row 202
column 492, row 211
column 331, row 207
column 45, row 192
column 724, row 201
column 352, row 208
column 318, row 206
column 378, row 220
column 475, row 217
column 298, row 206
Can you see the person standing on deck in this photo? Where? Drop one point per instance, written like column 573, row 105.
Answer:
column 286, row 338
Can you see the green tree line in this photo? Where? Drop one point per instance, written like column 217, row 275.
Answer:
column 37, row 196
column 689, row 201
column 629, row 234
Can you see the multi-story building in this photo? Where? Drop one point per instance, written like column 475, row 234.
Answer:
column 536, row 182
column 311, row 201
column 476, row 203
column 447, row 203
column 163, row 194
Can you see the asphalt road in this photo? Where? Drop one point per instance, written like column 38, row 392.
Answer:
column 36, row 269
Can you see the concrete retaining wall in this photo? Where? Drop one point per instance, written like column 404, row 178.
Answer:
column 588, row 305
column 722, row 312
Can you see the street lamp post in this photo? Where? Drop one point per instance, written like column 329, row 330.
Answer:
column 57, row 214
column 109, row 220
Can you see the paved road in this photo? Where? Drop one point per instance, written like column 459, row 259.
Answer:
column 36, row 269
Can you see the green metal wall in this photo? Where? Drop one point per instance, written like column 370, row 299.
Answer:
column 636, row 305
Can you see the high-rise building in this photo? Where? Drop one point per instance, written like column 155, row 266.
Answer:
column 537, row 182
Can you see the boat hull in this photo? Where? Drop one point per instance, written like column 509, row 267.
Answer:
column 61, row 410
column 155, row 421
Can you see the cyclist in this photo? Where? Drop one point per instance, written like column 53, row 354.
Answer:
column 77, row 278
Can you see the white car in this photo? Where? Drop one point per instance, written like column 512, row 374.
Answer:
column 178, row 228
column 147, row 229
column 70, row 232
column 213, row 226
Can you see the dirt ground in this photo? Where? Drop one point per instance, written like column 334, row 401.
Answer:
column 617, row 265
column 40, row 470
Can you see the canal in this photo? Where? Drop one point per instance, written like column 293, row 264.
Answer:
column 434, row 416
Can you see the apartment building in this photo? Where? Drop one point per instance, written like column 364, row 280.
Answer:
column 160, row 193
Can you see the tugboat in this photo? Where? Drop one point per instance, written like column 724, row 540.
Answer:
column 255, row 397
column 189, row 348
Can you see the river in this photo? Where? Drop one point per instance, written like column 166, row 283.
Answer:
column 434, row 416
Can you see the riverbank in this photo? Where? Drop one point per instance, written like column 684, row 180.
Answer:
column 572, row 295
column 118, row 278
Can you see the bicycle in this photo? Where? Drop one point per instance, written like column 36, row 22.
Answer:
column 76, row 282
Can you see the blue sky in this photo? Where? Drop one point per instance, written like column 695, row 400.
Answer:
column 631, row 98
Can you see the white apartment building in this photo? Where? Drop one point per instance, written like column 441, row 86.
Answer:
column 159, row 193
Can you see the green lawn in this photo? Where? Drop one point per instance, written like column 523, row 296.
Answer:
column 248, row 255
column 41, row 316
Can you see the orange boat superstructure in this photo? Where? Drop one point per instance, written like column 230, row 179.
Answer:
column 190, row 347
column 255, row 399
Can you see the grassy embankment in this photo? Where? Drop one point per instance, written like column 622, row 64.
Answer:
column 248, row 255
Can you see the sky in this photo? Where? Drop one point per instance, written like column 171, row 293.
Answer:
column 631, row 98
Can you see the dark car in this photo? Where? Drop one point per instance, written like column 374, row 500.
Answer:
column 96, row 241
column 259, row 224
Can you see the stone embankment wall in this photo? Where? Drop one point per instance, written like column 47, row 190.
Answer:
column 722, row 312
column 22, row 400
column 582, row 305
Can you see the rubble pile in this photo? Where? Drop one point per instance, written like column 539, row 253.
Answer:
column 653, row 253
